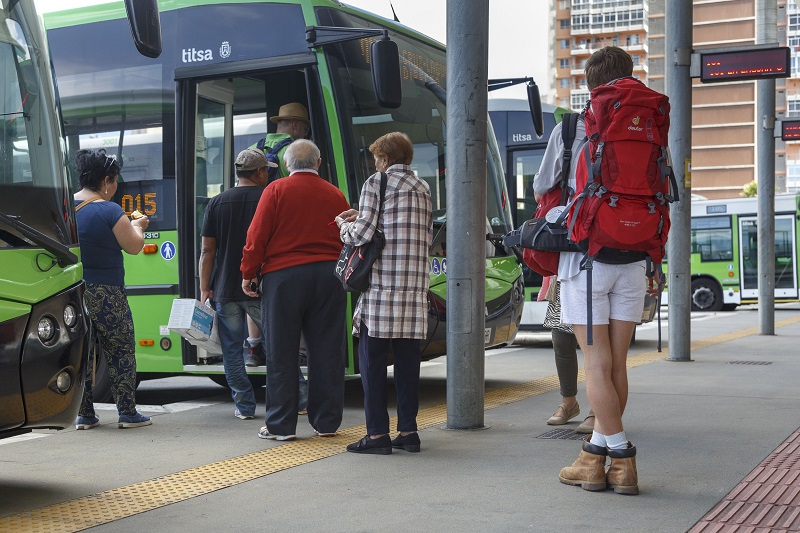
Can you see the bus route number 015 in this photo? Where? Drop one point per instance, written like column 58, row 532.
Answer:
column 131, row 203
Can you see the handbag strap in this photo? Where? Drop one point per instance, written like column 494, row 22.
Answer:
column 384, row 179
column 83, row 203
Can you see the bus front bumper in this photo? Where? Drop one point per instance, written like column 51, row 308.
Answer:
column 42, row 379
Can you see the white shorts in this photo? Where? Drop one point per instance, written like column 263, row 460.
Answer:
column 617, row 293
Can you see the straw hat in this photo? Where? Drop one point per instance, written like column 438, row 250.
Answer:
column 292, row 111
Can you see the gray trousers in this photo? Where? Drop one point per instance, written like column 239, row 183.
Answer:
column 565, row 346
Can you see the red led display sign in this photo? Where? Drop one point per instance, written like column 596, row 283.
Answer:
column 790, row 130
column 755, row 64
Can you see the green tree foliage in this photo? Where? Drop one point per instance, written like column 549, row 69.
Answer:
column 750, row 190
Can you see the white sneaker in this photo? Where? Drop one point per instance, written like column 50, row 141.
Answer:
column 264, row 433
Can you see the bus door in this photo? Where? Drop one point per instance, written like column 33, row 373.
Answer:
column 523, row 166
column 785, row 252
column 216, row 119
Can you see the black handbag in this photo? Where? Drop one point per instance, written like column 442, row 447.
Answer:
column 355, row 262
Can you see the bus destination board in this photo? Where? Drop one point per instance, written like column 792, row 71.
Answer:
column 739, row 65
column 790, row 130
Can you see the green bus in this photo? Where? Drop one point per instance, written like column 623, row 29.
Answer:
column 43, row 328
column 724, row 258
column 228, row 66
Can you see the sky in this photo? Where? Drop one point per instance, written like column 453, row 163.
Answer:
column 517, row 32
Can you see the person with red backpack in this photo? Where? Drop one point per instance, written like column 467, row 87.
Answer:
column 618, row 218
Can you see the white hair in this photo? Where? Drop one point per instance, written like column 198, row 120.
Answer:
column 302, row 153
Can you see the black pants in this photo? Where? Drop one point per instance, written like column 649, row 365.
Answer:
column 310, row 299
column 373, row 354
column 565, row 346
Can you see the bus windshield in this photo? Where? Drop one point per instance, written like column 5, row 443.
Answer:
column 422, row 114
column 30, row 142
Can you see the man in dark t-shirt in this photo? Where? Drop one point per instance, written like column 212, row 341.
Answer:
column 224, row 234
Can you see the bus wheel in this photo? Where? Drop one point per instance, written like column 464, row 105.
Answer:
column 219, row 379
column 256, row 380
column 101, row 384
column 706, row 295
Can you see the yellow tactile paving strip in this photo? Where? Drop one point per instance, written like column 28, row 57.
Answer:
column 111, row 505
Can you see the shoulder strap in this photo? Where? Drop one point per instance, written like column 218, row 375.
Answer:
column 83, row 203
column 384, row 179
column 279, row 146
column 260, row 143
column 569, row 125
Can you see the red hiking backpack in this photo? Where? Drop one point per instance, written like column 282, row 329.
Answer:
column 624, row 174
column 621, row 214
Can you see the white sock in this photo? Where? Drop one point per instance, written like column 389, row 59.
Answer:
column 617, row 441
column 598, row 439
column 254, row 341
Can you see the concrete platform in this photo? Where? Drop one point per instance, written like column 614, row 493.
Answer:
column 702, row 428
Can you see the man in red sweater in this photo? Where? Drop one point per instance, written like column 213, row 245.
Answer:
column 293, row 246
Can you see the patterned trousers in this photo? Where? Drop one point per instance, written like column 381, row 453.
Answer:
column 112, row 324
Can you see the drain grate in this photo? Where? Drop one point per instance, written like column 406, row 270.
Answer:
column 561, row 434
column 749, row 363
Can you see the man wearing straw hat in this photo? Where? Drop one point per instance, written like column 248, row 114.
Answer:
column 292, row 123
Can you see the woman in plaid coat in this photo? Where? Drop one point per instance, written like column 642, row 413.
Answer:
column 392, row 313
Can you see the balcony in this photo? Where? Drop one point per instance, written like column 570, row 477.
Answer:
column 589, row 48
column 578, row 98
column 609, row 27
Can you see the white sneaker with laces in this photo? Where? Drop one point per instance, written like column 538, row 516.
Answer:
column 264, row 433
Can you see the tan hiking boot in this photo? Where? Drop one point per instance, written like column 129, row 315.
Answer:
column 622, row 476
column 588, row 470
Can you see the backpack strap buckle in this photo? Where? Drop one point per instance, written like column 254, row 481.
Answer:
column 613, row 201
column 652, row 207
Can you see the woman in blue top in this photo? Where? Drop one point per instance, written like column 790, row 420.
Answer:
column 103, row 232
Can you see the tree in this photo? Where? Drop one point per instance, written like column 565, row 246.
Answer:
column 750, row 190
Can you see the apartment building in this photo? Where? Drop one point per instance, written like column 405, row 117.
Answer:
column 724, row 135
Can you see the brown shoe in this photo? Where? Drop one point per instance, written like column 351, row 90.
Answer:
column 587, row 426
column 562, row 415
column 622, row 476
column 588, row 470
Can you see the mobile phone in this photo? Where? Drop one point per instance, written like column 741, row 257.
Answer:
column 253, row 286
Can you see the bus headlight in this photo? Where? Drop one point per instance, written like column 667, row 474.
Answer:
column 70, row 316
column 46, row 329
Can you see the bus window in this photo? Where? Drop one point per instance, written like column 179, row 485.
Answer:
column 712, row 238
column 524, row 168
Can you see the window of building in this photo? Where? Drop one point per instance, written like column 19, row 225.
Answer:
column 564, row 24
column 563, row 63
column 563, row 44
column 564, row 83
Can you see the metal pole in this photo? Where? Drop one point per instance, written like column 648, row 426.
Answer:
column 679, row 90
column 467, row 79
column 766, row 33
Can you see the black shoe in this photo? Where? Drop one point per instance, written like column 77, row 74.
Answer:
column 379, row 446
column 409, row 443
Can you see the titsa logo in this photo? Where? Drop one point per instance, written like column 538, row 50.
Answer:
column 635, row 126
column 193, row 55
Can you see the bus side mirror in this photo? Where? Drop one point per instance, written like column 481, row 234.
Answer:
column 145, row 24
column 385, row 62
column 535, row 104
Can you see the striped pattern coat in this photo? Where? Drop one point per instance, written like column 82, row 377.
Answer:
column 395, row 306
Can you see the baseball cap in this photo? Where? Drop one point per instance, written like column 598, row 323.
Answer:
column 252, row 159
